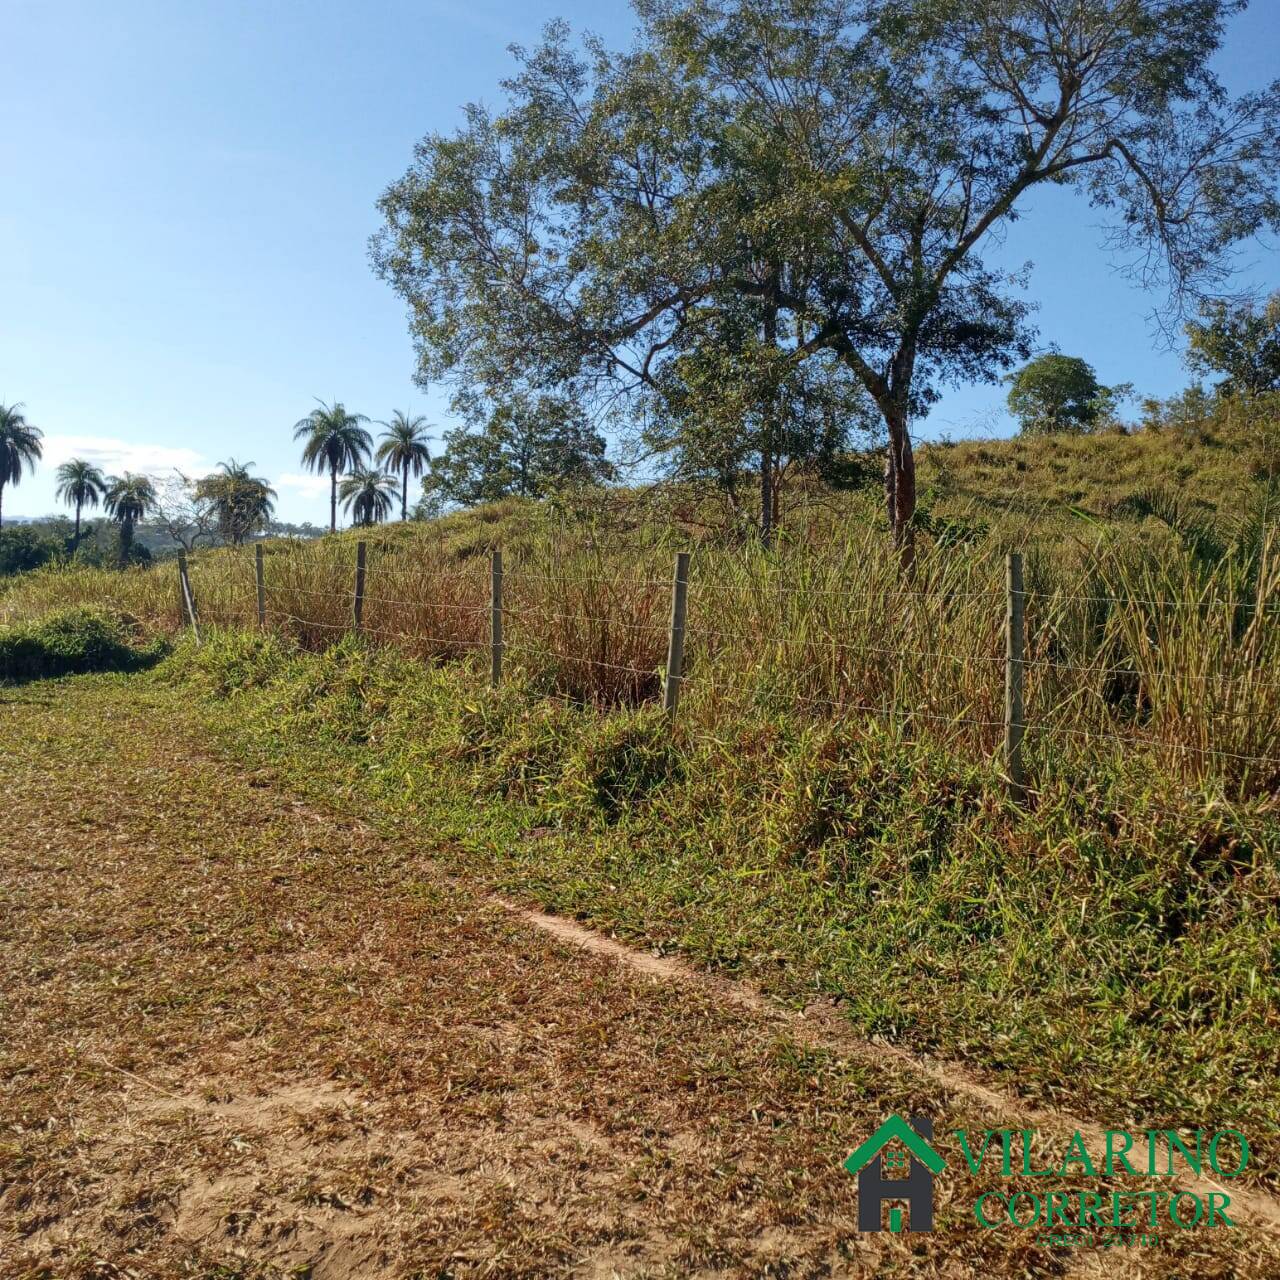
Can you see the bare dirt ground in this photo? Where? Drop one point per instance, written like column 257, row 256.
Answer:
column 240, row 1037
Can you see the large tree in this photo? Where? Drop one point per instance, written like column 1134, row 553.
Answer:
column 1239, row 342
column 20, row 448
column 732, row 402
column 80, row 484
column 403, row 450
column 845, row 163
column 334, row 442
column 522, row 445
column 1061, row 393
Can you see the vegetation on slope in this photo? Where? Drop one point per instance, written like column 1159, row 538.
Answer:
column 827, row 812
column 1216, row 459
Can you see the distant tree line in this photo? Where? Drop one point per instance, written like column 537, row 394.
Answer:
column 228, row 505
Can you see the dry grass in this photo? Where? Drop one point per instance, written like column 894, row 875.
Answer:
column 1140, row 639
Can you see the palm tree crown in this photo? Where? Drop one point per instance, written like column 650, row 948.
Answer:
column 368, row 495
column 80, row 484
column 335, row 441
column 403, row 449
column 242, row 501
column 128, row 499
column 19, row 447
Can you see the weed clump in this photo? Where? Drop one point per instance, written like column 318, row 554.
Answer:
column 621, row 762
column 74, row 642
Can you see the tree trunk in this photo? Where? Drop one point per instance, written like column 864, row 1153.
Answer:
column 333, row 499
column 1, row 505
column 404, row 494
column 75, row 541
column 767, row 439
column 900, row 485
column 766, row 493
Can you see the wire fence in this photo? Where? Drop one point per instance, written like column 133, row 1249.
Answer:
column 1003, row 669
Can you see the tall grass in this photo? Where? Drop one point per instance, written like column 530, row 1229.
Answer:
column 1134, row 641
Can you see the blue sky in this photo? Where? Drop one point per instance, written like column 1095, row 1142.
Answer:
column 190, row 187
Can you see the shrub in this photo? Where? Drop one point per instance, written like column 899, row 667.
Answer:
column 71, row 643
column 621, row 761
column 22, row 550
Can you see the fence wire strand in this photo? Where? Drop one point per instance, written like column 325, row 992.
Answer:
column 516, row 613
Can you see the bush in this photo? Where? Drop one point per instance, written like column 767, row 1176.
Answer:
column 22, row 550
column 72, row 643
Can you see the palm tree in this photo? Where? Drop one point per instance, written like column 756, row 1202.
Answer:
column 81, row 484
column 128, row 499
column 403, row 449
column 369, row 496
column 336, row 442
column 19, row 447
column 242, row 501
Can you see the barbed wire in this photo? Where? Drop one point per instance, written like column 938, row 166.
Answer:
column 347, row 627
column 943, row 593
column 372, row 600
column 695, row 631
column 509, row 611
column 517, row 611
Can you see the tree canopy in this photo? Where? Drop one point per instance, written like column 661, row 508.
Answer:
column 1239, row 343
column 523, row 445
column 20, row 447
column 1061, row 393
column 241, row 502
column 128, row 500
column 368, row 495
column 839, row 165
column 403, row 450
column 80, row 484
column 335, row 441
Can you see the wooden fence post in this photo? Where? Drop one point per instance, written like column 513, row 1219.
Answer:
column 260, row 575
column 675, row 640
column 358, row 605
column 188, row 600
column 1014, row 668
column 495, row 619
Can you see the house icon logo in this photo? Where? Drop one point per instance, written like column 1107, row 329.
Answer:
column 896, row 1146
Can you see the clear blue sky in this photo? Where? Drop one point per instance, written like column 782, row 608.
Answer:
column 189, row 187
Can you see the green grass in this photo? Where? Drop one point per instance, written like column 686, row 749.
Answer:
column 1116, row 949
column 73, row 642
column 1040, row 482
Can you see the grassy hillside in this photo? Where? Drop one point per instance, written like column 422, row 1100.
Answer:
column 1038, row 476
column 1149, row 609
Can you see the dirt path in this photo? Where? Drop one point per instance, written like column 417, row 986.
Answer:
column 239, row 1037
